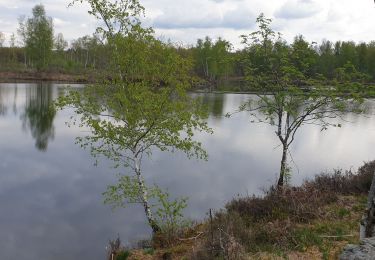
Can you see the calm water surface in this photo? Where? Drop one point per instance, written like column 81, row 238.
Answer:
column 50, row 192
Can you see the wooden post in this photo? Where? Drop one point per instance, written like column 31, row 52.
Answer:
column 368, row 220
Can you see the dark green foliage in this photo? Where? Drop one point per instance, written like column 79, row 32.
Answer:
column 303, row 57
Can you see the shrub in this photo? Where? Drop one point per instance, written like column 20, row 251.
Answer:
column 345, row 182
column 169, row 217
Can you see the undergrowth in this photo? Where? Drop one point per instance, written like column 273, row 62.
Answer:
column 320, row 213
column 313, row 221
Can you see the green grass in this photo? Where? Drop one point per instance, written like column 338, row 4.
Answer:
column 149, row 251
column 123, row 255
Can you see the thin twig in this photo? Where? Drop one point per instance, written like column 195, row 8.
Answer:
column 336, row 236
column 191, row 238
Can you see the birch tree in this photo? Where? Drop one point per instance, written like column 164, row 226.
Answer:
column 37, row 36
column 143, row 108
column 60, row 43
column 12, row 41
column 2, row 39
column 22, row 33
column 286, row 98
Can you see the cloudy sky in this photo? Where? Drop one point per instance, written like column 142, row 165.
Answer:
column 186, row 21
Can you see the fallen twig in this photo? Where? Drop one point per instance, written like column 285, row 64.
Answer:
column 191, row 238
column 336, row 236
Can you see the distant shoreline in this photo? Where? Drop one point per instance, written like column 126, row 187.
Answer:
column 32, row 76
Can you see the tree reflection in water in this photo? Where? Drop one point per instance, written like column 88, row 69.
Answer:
column 39, row 114
column 3, row 107
column 215, row 104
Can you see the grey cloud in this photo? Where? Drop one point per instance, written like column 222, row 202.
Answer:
column 298, row 9
column 221, row 1
column 239, row 19
column 178, row 19
column 194, row 18
column 63, row 17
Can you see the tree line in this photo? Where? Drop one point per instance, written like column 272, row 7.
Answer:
column 214, row 61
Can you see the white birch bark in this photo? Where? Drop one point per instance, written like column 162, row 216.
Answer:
column 144, row 194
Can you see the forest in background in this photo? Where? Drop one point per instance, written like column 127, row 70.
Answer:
column 214, row 61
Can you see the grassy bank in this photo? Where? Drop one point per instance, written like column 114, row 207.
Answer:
column 313, row 221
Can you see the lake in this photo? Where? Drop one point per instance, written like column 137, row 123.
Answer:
column 51, row 192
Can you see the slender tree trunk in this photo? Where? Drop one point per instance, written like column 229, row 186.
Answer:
column 44, row 57
column 207, row 73
column 283, row 166
column 144, row 195
column 87, row 59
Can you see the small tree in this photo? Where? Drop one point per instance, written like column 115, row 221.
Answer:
column 12, row 41
column 287, row 99
column 22, row 33
column 60, row 43
column 145, row 105
column 38, row 36
column 2, row 39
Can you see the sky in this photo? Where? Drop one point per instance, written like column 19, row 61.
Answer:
column 184, row 22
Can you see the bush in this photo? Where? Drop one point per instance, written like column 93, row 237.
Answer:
column 296, row 203
column 169, row 217
column 347, row 182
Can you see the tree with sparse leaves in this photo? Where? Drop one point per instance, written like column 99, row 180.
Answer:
column 287, row 98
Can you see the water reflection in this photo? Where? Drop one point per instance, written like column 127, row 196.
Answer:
column 15, row 110
column 5, row 99
column 3, row 108
column 39, row 114
column 215, row 104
